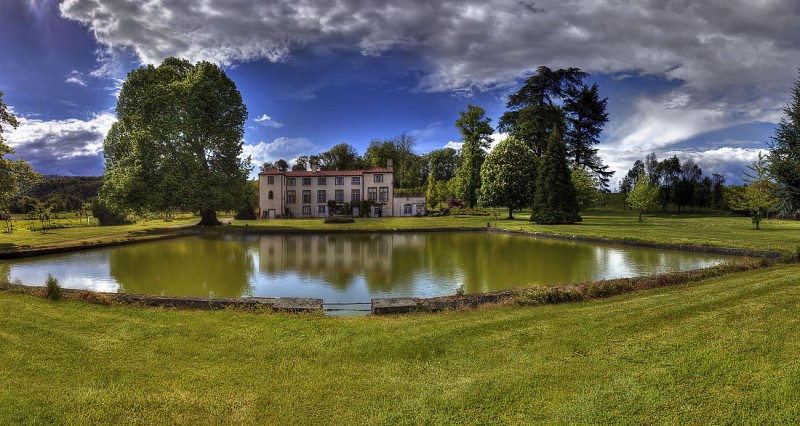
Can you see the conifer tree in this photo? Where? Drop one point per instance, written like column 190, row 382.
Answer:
column 784, row 156
column 555, row 201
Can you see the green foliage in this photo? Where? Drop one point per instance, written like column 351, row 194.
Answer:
column 586, row 192
column 466, row 211
column 15, row 175
column 758, row 195
column 341, row 157
column 108, row 214
column 476, row 134
column 643, row 195
column 249, row 202
column 177, row 143
column 585, row 115
column 784, row 157
column 508, row 176
column 555, row 201
column 432, row 194
column 442, row 163
column 53, row 288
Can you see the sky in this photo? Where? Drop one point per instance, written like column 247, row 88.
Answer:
column 703, row 80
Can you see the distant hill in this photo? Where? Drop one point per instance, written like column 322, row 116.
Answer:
column 64, row 193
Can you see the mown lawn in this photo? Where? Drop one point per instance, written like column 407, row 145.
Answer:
column 28, row 233
column 706, row 228
column 722, row 351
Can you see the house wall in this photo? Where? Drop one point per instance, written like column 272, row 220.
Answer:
column 417, row 206
column 281, row 188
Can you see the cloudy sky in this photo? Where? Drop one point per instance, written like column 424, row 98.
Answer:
column 702, row 80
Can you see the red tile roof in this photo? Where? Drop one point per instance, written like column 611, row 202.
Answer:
column 323, row 173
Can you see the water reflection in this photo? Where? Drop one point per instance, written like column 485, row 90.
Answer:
column 346, row 268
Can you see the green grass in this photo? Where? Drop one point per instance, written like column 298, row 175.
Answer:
column 27, row 233
column 721, row 351
column 706, row 229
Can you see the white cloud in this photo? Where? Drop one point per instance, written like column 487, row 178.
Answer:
column 60, row 139
column 455, row 145
column 267, row 121
column 496, row 139
column 75, row 77
column 286, row 148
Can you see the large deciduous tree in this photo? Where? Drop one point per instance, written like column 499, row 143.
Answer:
column 784, row 156
column 555, row 201
column 508, row 176
column 15, row 175
column 341, row 157
column 178, row 140
column 476, row 134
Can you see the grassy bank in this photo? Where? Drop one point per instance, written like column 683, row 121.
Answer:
column 27, row 234
column 715, row 351
column 705, row 229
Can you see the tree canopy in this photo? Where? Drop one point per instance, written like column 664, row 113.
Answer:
column 555, row 201
column 476, row 134
column 15, row 175
column 784, row 156
column 177, row 141
column 508, row 176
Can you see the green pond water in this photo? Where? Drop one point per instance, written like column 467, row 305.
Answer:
column 346, row 268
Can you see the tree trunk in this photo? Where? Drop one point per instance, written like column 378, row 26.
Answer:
column 209, row 218
column 510, row 213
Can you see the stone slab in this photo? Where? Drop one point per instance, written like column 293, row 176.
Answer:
column 395, row 305
column 297, row 304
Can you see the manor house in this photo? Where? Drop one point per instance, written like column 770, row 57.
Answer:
column 306, row 193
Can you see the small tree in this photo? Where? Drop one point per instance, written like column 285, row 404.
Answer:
column 507, row 176
column 585, row 187
column 555, row 202
column 758, row 195
column 432, row 193
column 643, row 195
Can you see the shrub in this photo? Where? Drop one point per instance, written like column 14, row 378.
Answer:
column 95, row 297
column 468, row 212
column 108, row 215
column 53, row 288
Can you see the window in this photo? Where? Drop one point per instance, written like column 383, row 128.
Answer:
column 270, row 195
column 321, row 197
column 355, row 195
column 339, row 196
column 306, row 210
column 291, row 181
column 356, row 180
column 321, row 181
column 372, row 194
column 384, row 194
column 307, row 197
column 321, row 210
column 379, row 178
column 291, row 197
column 270, row 180
column 407, row 209
column 338, row 181
column 306, row 181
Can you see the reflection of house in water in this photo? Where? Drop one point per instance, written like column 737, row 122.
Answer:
column 337, row 258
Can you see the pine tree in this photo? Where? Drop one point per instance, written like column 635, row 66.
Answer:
column 555, row 201
column 784, row 156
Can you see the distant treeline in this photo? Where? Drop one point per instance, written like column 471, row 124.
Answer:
column 60, row 193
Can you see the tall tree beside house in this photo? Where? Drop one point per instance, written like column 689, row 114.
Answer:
column 15, row 175
column 507, row 176
column 341, row 157
column 177, row 141
column 282, row 165
column 442, row 163
column 554, row 201
column 476, row 134
column 784, row 157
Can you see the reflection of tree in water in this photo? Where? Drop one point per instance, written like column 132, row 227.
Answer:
column 191, row 266
column 5, row 273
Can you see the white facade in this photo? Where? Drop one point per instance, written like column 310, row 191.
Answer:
column 306, row 193
column 409, row 206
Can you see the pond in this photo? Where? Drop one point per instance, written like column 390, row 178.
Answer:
column 346, row 268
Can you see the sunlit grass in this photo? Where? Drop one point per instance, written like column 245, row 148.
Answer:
column 721, row 351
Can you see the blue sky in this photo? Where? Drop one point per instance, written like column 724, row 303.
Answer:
column 701, row 80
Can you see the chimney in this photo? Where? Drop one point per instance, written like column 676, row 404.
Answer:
column 314, row 167
column 390, row 164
